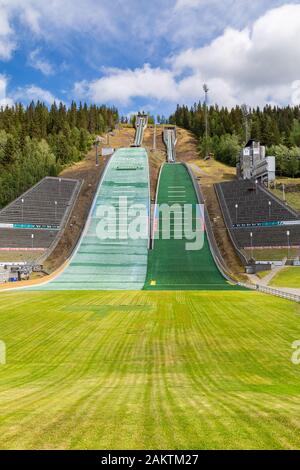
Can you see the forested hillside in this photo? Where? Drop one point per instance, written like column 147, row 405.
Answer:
column 277, row 128
column 37, row 141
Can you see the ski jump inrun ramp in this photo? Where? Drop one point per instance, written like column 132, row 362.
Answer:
column 129, row 264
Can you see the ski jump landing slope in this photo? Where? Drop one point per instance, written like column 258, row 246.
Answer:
column 117, row 264
column 170, row 265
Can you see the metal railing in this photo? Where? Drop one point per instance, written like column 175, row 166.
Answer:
column 271, row 291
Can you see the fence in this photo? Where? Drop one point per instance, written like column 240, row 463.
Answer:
column 271, row 291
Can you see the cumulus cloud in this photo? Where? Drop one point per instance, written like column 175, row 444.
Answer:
column 39, row 63
column 34, row 93
column 4, row 100
column 296, row 93
column 180, row 4
column 7, row 41
column 121, row 86
column 54, row 19
column 257, row 65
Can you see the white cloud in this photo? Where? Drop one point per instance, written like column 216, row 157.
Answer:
column 4, row 100
column 39, row 63
column 181, row 21
column 34, row 93
column 122, row 85
column 54, row 19
column 296, row 93
column 256, row 65
column 7, row 41
column 187, row 4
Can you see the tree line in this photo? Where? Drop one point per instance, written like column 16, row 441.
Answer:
column 228, row 129
column 37, row 141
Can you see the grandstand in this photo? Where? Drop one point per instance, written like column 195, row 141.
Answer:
column 34, row 220
column 249, row 208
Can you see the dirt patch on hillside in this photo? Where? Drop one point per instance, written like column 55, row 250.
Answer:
column 186, row 147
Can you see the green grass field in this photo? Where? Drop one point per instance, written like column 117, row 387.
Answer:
column 288, row 277
column 293, row 199
column 169, row 370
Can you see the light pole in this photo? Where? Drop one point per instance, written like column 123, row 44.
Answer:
column 32, row 238
column 256, row 185
column 270, row 205
column 59, row 186
column 245, row 112
column 288, row 242
column 206, row 90
column 236, row 213
column 55, row 207
column 22, row 201
column 251, row 241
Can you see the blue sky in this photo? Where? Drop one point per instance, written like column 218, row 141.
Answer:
column 150, row 55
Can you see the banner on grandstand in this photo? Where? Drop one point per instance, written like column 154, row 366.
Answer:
column 31, row 226
column 106, row 151
column 278, row 223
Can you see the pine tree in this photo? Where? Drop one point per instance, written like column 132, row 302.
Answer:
column 9, row 154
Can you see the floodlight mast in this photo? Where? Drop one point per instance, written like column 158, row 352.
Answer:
column 206, row 90
column 245, row 112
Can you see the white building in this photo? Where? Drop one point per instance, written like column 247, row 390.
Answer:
column 253, row 163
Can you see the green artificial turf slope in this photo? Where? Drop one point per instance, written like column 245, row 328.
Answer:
column 170, row 265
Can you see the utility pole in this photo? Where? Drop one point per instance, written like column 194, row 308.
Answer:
column 245, row 112
column 288, row 242
column 22, row 201
column 236, row 213
column 206, row 90
column 251, row 239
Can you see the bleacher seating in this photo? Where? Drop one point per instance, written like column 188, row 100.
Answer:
column 39, row 203
column 21, row 238
column 253, row 201
column 45, row 206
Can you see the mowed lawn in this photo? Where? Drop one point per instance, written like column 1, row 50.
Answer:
column 171, row 370
column 287, row 277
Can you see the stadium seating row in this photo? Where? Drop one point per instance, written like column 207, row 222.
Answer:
column 36, row 218
column 247, row 203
